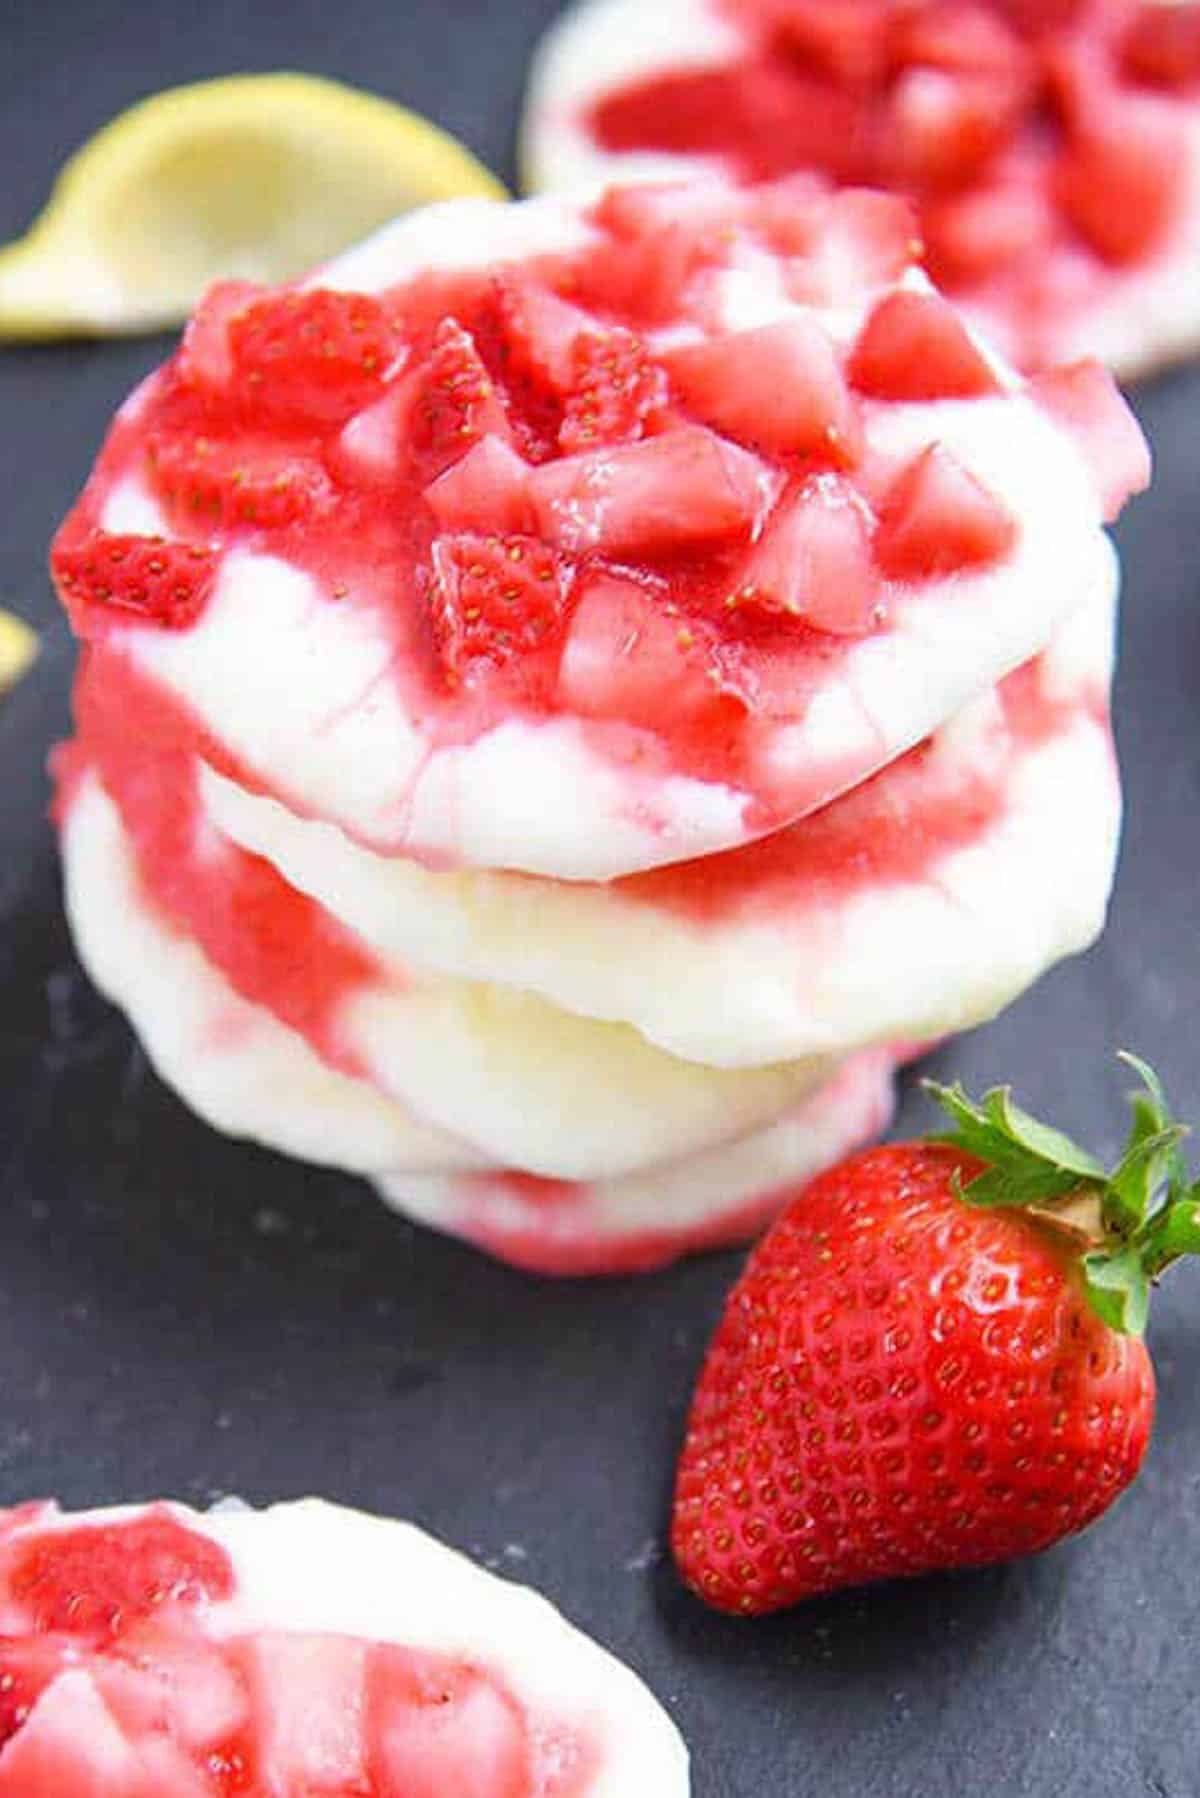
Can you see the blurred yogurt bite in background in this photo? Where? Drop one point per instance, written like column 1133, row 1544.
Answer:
column 1051, row 147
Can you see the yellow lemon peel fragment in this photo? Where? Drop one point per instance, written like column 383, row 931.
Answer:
column 18, row 647
column 253, row 176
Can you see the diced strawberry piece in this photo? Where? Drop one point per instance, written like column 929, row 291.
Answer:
column 370, row 446
column 616, row 392
column 69, row 1745
column 684, row 488
column 665, row 237
column 205, row 356
column 1121, row 179
column 104, row 576
column 233, row 482
column 778, row 387
column 315, row 356
column 1162, row 45
column 1086, row 401
column 437, row 1728
column 845, row 39
column 97, row 1580
column 455, row 402
column 790, row 213
column 967, row 39
column 628, row 655
column 972, row 235
column 1036, row 16
column 939, row 519
column 309, row 1699
column 166, row 1772
column 495, row 602
column 915, row 346
column 814, row 563
column 28, row 1664
column 175, row 1680
column 946, row 127
column 650, row 208
column 540, row 330
column 867, row 240
column 486, row 491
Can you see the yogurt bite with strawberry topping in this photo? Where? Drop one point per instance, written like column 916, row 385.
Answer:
column 1051, row 147
column 570, row 684
column 154, row 1650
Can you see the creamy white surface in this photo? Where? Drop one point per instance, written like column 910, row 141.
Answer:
column 683, row 1198
column 232, row 1062
column 299, row 689
column 315, row 1567
column 1147, row 316
column 250, row 1076
column 910, row 957
column 481, row 1075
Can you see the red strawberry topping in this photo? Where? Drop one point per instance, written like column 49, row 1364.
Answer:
column 457, row 402
column 1162, row 45
column 617, row 392
column 814, row 562
column 1120, row 180
column 495, row 602
column 102, row 575
column 680, row 490
column 314, row 355
column 932, row 1360
column 626, row 646
column 487, row 490
column 127, row 1682
column 205, row 356
column 778, row 387
column 939, row 519
column 451, row 461
column 944, row 103
column 95, row 1581
column 914, row 346
column 221, row 484
column 1083, row 399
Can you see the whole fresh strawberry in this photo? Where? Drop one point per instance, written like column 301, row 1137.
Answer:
column 934, row 1358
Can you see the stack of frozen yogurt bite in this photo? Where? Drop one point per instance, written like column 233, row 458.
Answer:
column 576, row 692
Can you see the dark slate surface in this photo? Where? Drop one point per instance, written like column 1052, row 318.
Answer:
column 182, row 1315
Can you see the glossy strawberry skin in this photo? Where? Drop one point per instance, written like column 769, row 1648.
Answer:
column 205, row 482
column 900, row 1383
column 315, row 356
column 94, row 1581
column 104, row 577
column 495, row 602
column 617, row 390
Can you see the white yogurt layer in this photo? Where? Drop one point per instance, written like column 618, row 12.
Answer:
column 1145, row 317
column 728, row 1193
column 301, row 691
column 820, row 972
column 317, row 1568
column 481, row 1075
column 251, row 1076
column 232, row 1062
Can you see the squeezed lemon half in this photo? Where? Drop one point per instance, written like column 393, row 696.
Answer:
column 253, row 176
column 18, row 647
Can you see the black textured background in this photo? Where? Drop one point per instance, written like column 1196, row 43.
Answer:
column 182, row 1315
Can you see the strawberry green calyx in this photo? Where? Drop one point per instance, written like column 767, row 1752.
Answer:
column 1131, row 1222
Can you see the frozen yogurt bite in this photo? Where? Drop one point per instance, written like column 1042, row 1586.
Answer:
column 571, row 686
column 1051, row 147
column 155, row 1652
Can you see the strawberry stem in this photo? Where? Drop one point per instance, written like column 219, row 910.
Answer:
column 1133, row 1221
